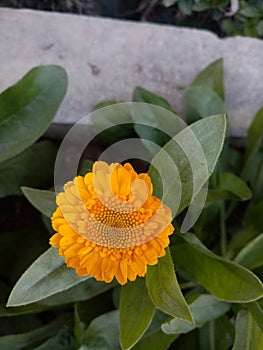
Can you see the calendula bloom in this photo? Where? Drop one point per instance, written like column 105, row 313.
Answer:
column 109, row 224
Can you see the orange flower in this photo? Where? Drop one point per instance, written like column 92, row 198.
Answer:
column 109, row 224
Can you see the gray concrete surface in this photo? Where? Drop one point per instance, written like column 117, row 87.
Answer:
column 106, row 59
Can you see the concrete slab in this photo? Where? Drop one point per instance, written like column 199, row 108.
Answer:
column 106, row 59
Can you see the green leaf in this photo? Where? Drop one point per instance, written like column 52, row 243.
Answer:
column 103, row 333
column 221, row 331
column 23, row 340
column 112, row 123
column 251, row 11
column 218, row 195
column 44, row 201
column 251, row 255
column 155, row 338
column 186, row 162
column 205, row 308
column 257, row 313
column 212, row 77
column 47, row 276
column 21, row 310
column 233, row 184
column 253, row 218
column 105, row 103
column 33, row 167
column 61, row 341
column 142, row 95
column 164, row 289
column 150, row 126
column 255, row 132
column 27, row 108
column 230, row 187
column 200, row 102
column 136, row 312
column 84, row 290
column 248, row 334
column 253, row 164
column 205, row 96
column 226, row 280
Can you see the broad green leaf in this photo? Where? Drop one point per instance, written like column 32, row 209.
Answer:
column 252, row 169
column 42, row 200
column 253, row 164
column 103, row 333
column 248, row 334
column 136, row 312
column 105, row 103
column 164, row 289
column 27, row 108
column 205, row 308
column 220, row 331
column 21, row 310
column 142, row 95
column 219, row 195
column 226, row 280
column 200, row 102
column 251, row 11
column 253, row 217
column 212, row 77
column 203, row 336
column 82, row 291
column 62, row 341
column 155, row 124
column 233, row 184
column 187, row 161
column 251, row 256
column 112, row 123
column 23, row 340
column 255, row 132
column 257, row 312
column 47, row 276
column 33, row 167
column 155, row 338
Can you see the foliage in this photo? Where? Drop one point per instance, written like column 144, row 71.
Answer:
column 224, row 17
column 207, row 287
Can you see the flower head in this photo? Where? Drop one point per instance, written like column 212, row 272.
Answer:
column 109, row 224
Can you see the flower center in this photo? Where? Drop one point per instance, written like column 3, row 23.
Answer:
column 117, row 228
